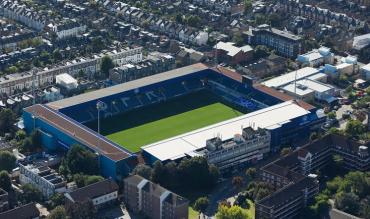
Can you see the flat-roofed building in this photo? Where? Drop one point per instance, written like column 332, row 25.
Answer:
column 283, row 42
column 250, row 146
column 42, row 177
column 310, row 90
column 152, row 200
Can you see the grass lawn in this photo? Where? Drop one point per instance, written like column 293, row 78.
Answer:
column 251, row 210
column 193, row 214
column 161, row 121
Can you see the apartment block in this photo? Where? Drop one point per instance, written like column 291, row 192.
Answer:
column 251, row 146
column 292, row 174
column 283, row 42
column 152, row 200
column 42, row 177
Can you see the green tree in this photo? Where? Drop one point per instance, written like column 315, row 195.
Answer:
column 261, row 52
column 201, row 204
column 143, row 170
column 285, row 151
column 354, row 128
column 5, row 182
column 57, row 55
column 238, row 39
column 20, row 135
column 106, row 65
column 347, row 202
column 58, row 213
column 233, row 212
column 56, row 200
column 81, row 160
column 251, row 173
column 30, row 194
column 7, row 119
column 7, row 161
column 247, row 6
column 332, row 115
column 237, row 182
column 81, row 210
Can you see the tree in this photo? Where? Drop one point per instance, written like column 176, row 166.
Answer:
column 7, row 119
column 261, row 52
column 237, row 182
column 201, row 204
column 285, row 151
column 30, row 194
column 56, row 200
column 106, row 65
column 5, row 182
column 7, row 161
column 158, row 171
column 347, row 202
column 58, row 213
column 81, row 160
column 247, row 6
column 143, row 170
column 354, row 128
column 332, row 115
column 314, row 136
column 251, row 173
column 81, row 210
column 238, row 39
column 233, row 212
column 20, row 135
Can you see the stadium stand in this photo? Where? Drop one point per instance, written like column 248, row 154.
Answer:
column 62, row 126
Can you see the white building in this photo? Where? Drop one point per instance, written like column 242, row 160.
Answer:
column 310, row 90
column 365, row 71
column 250, row 146
column 66, row 81
column 43, row 178
column 316, row 57
column 67, row 29
column 290, row 77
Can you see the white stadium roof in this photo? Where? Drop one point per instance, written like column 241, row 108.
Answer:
column 290, row 77
column 269, row 118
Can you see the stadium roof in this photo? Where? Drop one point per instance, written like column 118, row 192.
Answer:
column 94, row 95
column 79, row 132
column 269, row 118
column 290, row 77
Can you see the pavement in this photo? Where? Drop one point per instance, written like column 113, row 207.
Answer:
column 343, row 122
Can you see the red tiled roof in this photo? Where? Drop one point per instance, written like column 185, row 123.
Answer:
column 76, row 131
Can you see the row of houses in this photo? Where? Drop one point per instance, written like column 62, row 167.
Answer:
column 292, row 175
column 153, row 64
column 155, row 23
column 321, row 15
column 15, row 10
column 15, row 83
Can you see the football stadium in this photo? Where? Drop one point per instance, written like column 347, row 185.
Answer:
column 167, row 116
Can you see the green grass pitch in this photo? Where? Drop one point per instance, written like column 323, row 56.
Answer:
column 161, row 121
